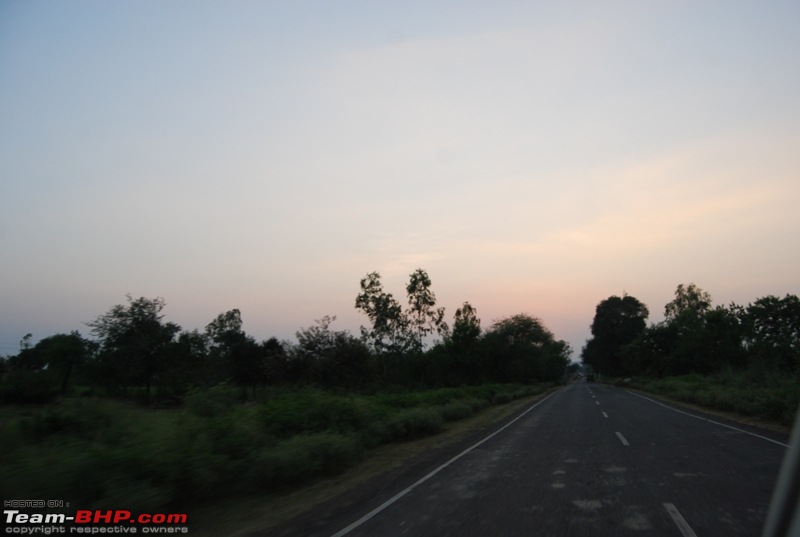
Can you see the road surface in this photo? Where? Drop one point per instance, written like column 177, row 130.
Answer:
column 589, row 460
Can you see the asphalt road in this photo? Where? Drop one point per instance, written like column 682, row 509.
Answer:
column 589, row 460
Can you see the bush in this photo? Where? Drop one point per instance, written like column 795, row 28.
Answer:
column 303, row 457
column 212, row 401
column 100, row 452
column 413, row 423
column 314, row 411
column 773, row 397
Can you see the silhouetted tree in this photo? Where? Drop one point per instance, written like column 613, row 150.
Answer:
column 422, row 315
column 772, row 332
column 389, row 335
column 333, row 358
column 133, row 340
column 617, row 322
column 521, row 349
column 63, row 354
column 689, row 300
column 466, row 327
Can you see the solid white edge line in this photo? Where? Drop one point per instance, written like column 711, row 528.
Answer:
column 402, row 493
column 622, row 439
column 708, row 420
column 677, row 517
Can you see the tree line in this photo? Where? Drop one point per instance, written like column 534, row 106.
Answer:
column 762, row 338
column 134, row 352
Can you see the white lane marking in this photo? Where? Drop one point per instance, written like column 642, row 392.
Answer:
column 402, row 493
column 677, row 517
column 605, row 415
column 622, row 439
column 708, row 420
column 597, row 402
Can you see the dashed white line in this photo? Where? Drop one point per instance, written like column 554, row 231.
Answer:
column 597, row 402
column 605, row 415
column 677, row 517
column 622, row 439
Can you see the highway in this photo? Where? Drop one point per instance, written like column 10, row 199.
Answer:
column 589, row 460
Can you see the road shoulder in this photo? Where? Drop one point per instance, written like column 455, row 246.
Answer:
column 309, row 510
column 731, row 418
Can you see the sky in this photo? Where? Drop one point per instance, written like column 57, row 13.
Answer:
column 532, row 156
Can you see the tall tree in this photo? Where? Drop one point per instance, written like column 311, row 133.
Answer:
column 689, row 299
column 133, row 340
column 424, row 317
column 63, row 354
column 687, row 315
column 617, row 322
column 333, row 358
column 236, row 354
column 521, row 349
column 389, row 333
column 772, row 327
column 466, row 327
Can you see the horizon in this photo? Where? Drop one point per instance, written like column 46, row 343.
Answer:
column 532, row 157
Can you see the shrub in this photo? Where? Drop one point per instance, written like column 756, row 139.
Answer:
column 212, row 401
column 314, row 411
column 413, row 423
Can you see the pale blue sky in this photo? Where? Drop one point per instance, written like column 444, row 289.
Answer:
column 533, row 157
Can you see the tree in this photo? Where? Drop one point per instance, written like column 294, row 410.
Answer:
column 617, row 322
column 521, row 349
column 650, row 353
column 424, row 319
column 687, row 315
column 62, row 354
column 26, row 377
column 188, row 365
column 772, row 332
column 389, row 334
column 466, row 328
column 689, row 299
column 133, row 341
column 236, row 354
column 276, row 362
column 333, row 358
column 226, row 328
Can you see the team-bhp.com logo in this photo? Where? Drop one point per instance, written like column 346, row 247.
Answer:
column 94, row 521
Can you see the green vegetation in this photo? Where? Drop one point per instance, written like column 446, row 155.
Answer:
column 106, row 453
column 137, row 355
column 148, row 415
column 775, row 399
column 735, row 358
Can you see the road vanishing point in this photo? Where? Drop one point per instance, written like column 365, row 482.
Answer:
column 588, row 460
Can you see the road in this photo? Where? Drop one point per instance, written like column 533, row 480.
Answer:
column 589, row 460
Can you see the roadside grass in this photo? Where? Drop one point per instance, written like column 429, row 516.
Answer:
column 267, row 513
column 105, row 454
column 773, row 398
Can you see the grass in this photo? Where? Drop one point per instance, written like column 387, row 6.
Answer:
column 243, row 515
column 104, row 454
column 773, row 398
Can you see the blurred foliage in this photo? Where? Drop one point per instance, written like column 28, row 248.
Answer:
column 101, row 453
